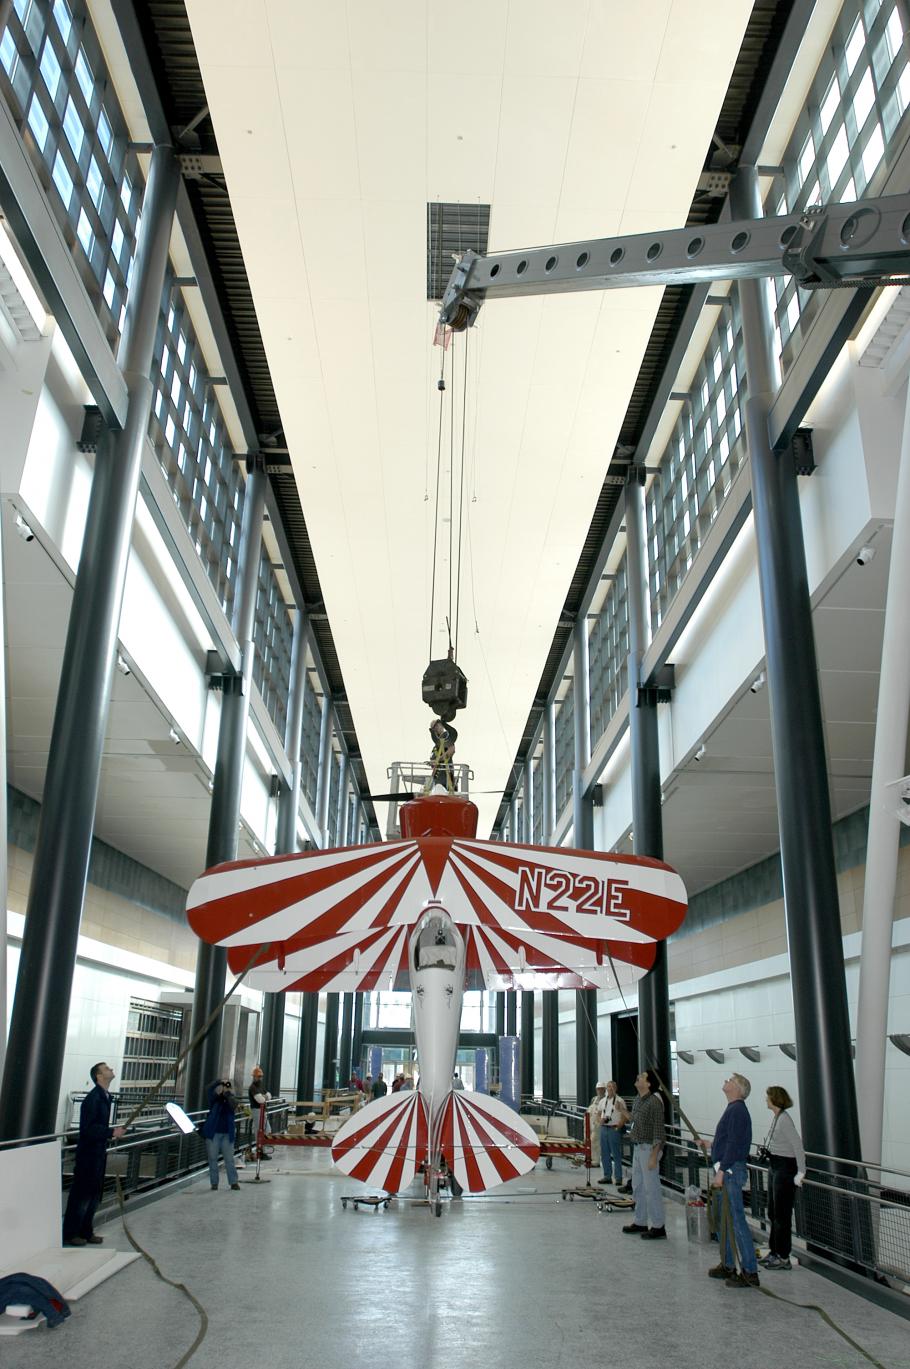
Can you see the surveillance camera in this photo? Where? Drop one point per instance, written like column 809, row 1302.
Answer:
column 864, row 555
column 701, row 752
column 23, row 529
column 122, row 665
column 757, row 684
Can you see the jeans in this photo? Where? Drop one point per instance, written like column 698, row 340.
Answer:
column 221, row 1144
column 649, row 1200
column 734, row 1183
column 611, row 1153
column 781, row 1191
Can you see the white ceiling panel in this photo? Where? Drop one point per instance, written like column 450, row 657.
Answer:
column 554, row 119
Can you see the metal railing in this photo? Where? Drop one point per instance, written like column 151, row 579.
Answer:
column 839, row 1211
column 152, row 1153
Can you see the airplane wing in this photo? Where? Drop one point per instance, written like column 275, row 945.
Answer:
column 532, row 917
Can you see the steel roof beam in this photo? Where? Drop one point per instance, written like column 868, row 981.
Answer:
column 838, row 243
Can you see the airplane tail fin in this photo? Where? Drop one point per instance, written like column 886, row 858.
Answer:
column 485, row 1142
column 384, row 1142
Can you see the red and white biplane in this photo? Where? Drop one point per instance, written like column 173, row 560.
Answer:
column 436, row 912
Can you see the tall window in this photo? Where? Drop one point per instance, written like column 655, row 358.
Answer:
column 697, row 468
column 841, row 139
column 189, row 435
column 608, row 654
column 273, row 637
column 54, row 79
column 564, row 739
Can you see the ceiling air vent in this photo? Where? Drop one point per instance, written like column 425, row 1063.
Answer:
column 451, row 230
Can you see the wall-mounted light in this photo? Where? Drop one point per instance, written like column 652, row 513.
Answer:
column 701, row 753
column 788, row 1048
column 23, row 529
column 687, row 1056
column 123, row 665
column 902, row 1042
column 750, row 1052
column 758, row 683
column 716, row 1055
column 174, row 736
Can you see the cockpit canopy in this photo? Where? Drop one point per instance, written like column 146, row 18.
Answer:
column 435, row 947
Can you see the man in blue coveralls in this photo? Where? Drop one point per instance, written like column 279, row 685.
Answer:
column 729, row 1155
column 95, row 1132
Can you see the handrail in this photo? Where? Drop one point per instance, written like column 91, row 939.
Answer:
column 860, row 1164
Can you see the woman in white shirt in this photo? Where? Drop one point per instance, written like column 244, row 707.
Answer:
column 787, row 1170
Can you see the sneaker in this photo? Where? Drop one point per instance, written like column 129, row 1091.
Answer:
column 624, row 1188
column 775, row 1262
column 634, row 1229
column 720, row 1271
column 95, row 1240
column 236, row 1186
column 742, row 1280
column 655, row 1233
column 765, row 1259
column 76, row 1240
column 603, row 1181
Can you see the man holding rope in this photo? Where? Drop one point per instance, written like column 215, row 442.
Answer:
column 729, row 1155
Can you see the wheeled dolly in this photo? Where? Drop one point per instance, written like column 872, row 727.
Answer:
column 367, row 1200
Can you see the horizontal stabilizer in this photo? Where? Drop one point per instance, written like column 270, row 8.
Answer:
column 384, row 1142
column 485, row 1142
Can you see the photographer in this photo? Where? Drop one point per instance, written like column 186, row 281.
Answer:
column 219, row 1130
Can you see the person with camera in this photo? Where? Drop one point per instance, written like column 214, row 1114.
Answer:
column 219, row 1131
column 259, row 1097
column 783, row 1150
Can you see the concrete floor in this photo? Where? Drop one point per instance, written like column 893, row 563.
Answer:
column 510, row 1279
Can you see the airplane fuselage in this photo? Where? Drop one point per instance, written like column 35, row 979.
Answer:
column 437, row 969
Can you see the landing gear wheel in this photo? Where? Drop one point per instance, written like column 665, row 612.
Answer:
column 548, row 1161
column 344, row 1204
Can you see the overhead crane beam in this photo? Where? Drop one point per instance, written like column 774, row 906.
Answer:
column 867, row 242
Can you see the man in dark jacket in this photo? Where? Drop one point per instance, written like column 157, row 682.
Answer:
column 729, row 1156
column 91, row 1160
column 219, row 1130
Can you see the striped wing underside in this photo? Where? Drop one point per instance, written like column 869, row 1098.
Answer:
column 532, row 917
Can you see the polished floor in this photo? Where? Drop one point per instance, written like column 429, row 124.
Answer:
column 517, row 1277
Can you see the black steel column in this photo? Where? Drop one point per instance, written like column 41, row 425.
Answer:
column 827, row 1092
column 583, row 825
column 224, row 818
column 306, row 1058
column 550, row 1043
column 271, row 1047
column 330, row 1043
column 347, row 1034
column 511, row 1014
column 527, row 1041
column 647, row 820
column 37, row 1036
column 500, row 1014
column 286, row 844
column 357, row 1033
